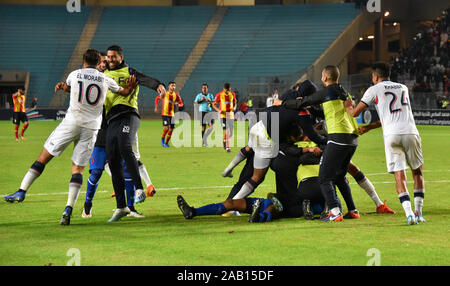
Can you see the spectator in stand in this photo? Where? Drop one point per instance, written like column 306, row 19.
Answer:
column 34, row 103
column 269, row 101
column 243, row 107
column 275, row 94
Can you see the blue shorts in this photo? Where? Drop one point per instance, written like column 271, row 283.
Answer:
column 98, row 158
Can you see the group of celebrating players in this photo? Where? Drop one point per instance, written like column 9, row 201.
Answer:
column 309, row 160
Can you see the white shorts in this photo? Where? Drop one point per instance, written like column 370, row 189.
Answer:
column 66, row 133
column 403, row 150
column 262, row 145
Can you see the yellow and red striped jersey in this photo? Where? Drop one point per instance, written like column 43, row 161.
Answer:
column 19, row 102
column 227, row 100
column 168, row 102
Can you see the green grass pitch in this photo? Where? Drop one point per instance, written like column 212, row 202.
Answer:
column 30, row 233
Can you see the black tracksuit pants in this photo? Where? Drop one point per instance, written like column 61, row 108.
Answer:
column 333, row 168
column 119, row 139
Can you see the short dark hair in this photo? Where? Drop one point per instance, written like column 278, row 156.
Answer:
column 227, row 85
column 116, row 48
column 205, row 84
column 382, row 69
column 103, row 54
column 172, row 82
column 333, row 72
column 91, row 57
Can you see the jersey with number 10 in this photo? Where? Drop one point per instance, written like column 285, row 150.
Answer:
column 88, row 89
column 392, row 103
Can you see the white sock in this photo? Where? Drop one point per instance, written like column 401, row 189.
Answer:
column 418, row 200
column 28, row 179
column 144, row 175
column 107, row 169
column 367, row 186
column 406, row 203
column 336, row 211
column 245, row 191
column 74, row 191
column 236, row 160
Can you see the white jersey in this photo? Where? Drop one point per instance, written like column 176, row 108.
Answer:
column 392, row 103
column 88, row 89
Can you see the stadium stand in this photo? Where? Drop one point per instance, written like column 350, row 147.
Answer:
column 156, row 40
column 288, row 37
column 426, row 60
column 39, row 39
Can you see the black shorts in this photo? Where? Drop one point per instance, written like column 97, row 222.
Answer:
column 19, row 116
column 227, row 122
column 203, row 122
column 167, row 121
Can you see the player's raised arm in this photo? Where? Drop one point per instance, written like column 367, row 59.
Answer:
column 62, row 86
column 148, row 81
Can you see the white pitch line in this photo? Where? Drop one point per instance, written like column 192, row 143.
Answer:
column 213, row 187
column 425, row 171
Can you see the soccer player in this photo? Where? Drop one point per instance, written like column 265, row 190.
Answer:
column 98, row 164
column 103, row 63
column 169, row 100
column 342, row 141
column 123, row 122
column 227, row 100
column 401, row 138
column 151, row 191
column 288, row 202
column 245, row 205
column 80, row 125
column 265, row 145
column 19, row 114
column 204, row 100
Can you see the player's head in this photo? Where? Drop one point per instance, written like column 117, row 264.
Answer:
column 21, row 91
column 295, row 133
column 91, row 58
column 114, row 56
column 227, row 86
column 172, row 86
column 102, row 64
column 205, row 88
column 330, row 75
column 380, row 71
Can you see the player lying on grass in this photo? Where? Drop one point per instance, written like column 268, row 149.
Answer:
column 80, row 125
column 306, row 201
column 266, row 136
column 285, row 168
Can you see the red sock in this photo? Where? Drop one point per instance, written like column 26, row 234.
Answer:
column 225, row 139
column 164, row 132
column 25, row 126
column 169, row 134
column 16, row 131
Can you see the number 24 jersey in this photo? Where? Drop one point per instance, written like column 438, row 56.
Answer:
column 392, row 103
